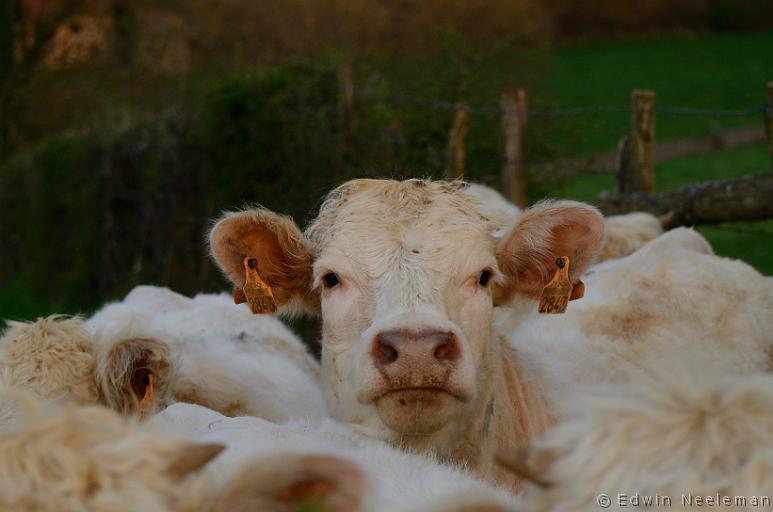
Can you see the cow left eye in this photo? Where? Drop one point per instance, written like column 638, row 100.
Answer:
column 484, row 278
column 330, row 280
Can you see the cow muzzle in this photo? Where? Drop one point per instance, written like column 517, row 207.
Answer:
column 417, row 373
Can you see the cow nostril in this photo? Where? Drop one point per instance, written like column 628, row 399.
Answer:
column 447, row 350
column 385, row 353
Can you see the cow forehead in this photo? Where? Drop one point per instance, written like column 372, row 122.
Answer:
column 413, row 215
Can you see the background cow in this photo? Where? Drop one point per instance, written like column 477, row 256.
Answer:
column 157, row 347
column 623, row 234
column 686, row 427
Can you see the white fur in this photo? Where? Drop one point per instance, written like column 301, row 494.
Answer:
column 78, row 458
column 52, row 357
column 228, row 358
column 493, row 205
column 406, row 256
column 627, row 233
column 685, row 427
column 670, row 297
column 397, row 481
column 398, row 271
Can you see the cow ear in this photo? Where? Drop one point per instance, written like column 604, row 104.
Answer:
column 530, row 464
column 289, row 482
column 283, row 256
column 134, row 376
column 545, row 232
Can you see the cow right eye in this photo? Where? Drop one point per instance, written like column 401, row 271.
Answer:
column 330, row 279
column 484, row 278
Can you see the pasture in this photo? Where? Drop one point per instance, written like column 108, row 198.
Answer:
column 288, row 256
column 719, row 71
column 723, row 72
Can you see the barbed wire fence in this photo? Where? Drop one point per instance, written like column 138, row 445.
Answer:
column 559, row 112
column 604, row 161
column 632, row 162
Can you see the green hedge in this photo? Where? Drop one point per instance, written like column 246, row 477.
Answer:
column 87, row 216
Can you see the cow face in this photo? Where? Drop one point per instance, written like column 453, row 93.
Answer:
column 405, row 276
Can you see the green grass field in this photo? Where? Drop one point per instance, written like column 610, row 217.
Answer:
column 725, row 72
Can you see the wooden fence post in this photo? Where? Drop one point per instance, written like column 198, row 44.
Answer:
column 514, row 106
column 456, row 153
column 636, row 162
column 769, row 122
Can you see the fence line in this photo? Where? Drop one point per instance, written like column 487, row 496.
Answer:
column 562, row 112
column 605, row 162
column 707, row 202
column 635, row 157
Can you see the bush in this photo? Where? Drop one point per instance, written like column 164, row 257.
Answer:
column 90, row 215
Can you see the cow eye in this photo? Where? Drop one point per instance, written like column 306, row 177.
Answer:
column 330, row 279
column 485, row 277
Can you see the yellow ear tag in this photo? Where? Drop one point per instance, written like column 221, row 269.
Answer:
column 559, row 291
column 256, row 292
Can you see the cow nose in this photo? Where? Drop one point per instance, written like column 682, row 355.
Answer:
column 429, row 346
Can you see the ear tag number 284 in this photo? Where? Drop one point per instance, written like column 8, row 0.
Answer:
column 256, row 292
column 559, row 291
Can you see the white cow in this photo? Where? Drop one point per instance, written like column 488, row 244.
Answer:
column 157, row 347
column 683, row 435
column 223, row 357
column 79, row 458
column 370, row 475
column 406, row 276
column 625, row 234
column 667, row 299
column 73, row 458
column 57, row 359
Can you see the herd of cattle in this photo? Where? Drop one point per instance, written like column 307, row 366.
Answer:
column 440, row 388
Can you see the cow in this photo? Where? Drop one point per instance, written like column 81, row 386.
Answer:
column 670, row 298
column 70, row 458
column 625, row 234
column 263, row 462
column 157, row 347
column 66, row 457
column 222, row 357
column 406, row 276
column 429, row 334
column 678, row 433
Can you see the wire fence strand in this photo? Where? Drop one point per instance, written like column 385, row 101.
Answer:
column 561, row 112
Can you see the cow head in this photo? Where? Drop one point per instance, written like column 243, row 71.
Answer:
column 135, row 375
column 405, row 276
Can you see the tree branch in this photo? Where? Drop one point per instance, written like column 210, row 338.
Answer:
column 711, row 202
